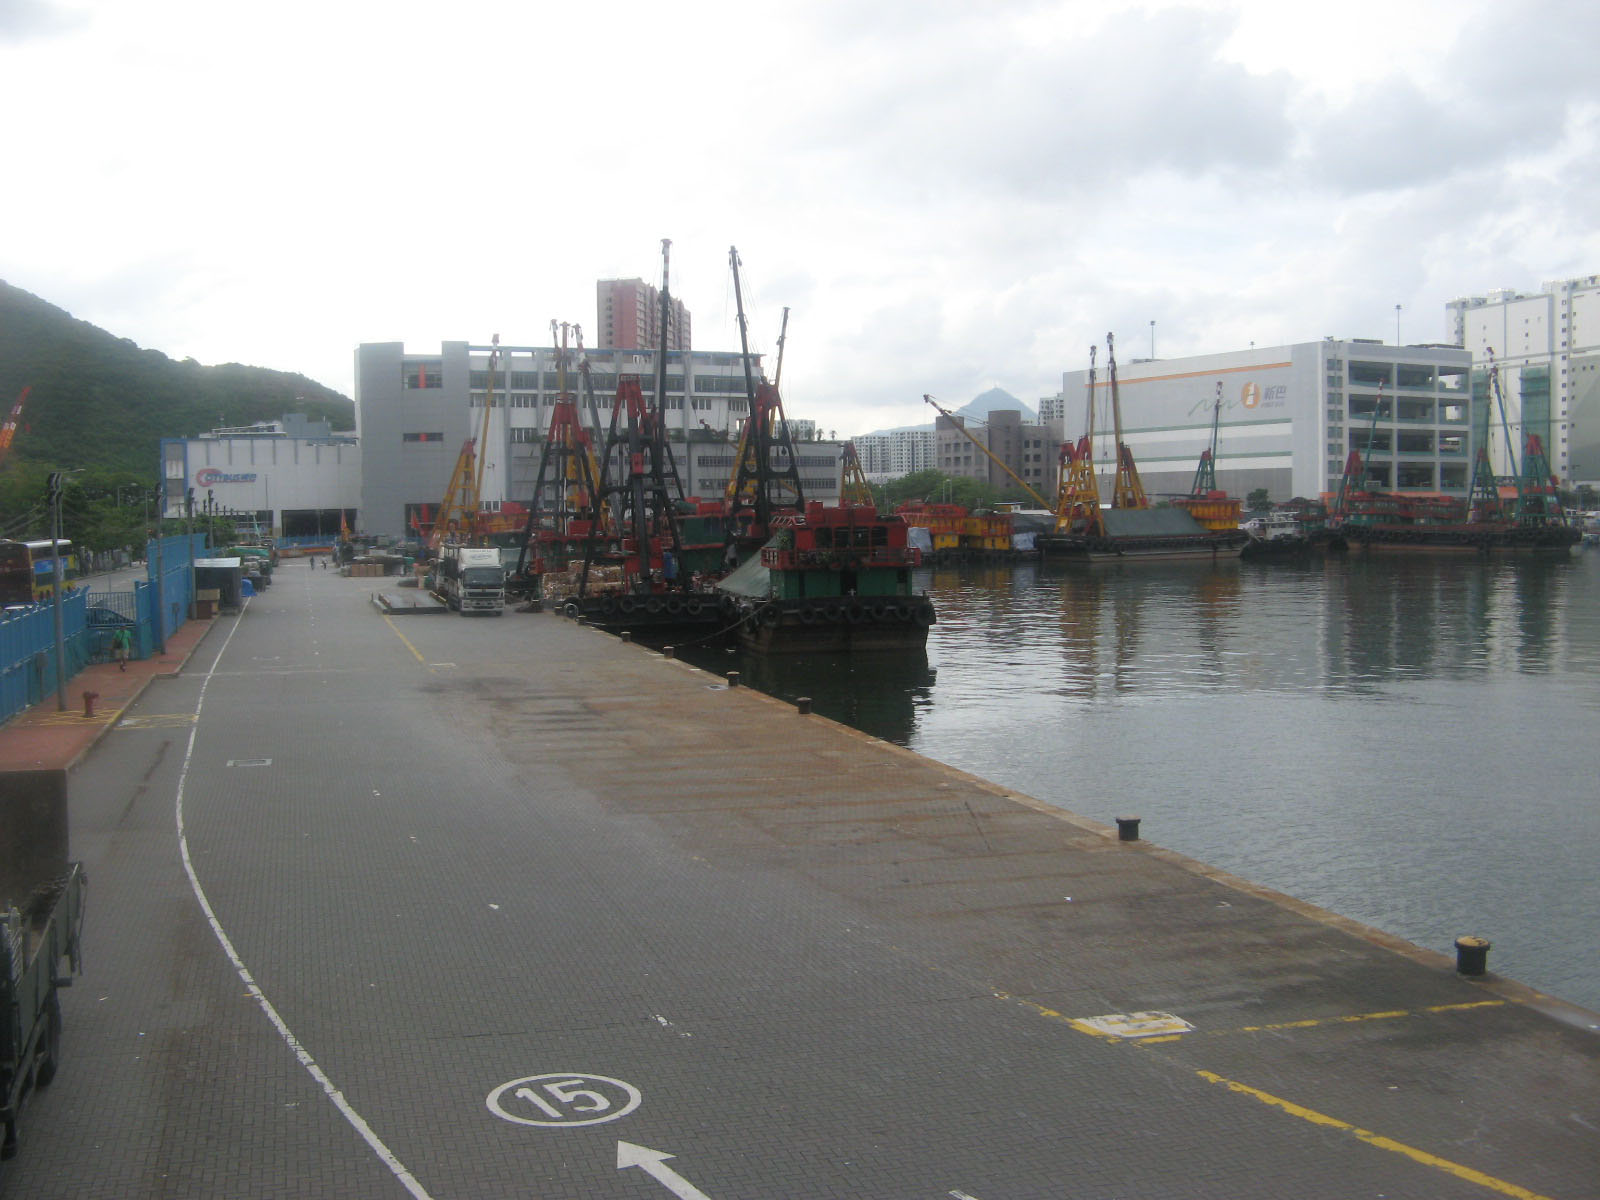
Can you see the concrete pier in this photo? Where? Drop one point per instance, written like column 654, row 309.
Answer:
column 553, row 915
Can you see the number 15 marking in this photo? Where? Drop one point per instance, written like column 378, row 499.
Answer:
column 563, row 1099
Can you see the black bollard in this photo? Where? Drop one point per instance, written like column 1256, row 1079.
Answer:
column 666, row 652
column 803, row 705
column 733, row 679
column 626, row 635
column 1127, row 829
column 1472, row 954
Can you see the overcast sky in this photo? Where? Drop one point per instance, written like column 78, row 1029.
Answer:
column 948, row 196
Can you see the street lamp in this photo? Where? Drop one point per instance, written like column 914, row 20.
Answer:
column 188, row 538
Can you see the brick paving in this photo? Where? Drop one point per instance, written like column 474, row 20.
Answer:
column 463, row 855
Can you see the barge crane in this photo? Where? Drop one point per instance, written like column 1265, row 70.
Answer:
column 1077, row 505
column 766, row 476
column 566, row 492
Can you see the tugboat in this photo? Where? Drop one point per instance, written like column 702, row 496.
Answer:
column 833, row 578
column 1276, row 535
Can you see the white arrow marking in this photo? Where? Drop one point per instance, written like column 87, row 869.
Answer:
column 653, row 1164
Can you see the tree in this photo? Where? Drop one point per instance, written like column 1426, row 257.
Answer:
column 1258, row 499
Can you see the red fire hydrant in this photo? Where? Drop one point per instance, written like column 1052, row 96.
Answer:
column 88, row 703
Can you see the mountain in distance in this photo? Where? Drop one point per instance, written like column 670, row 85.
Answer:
column 101, row 401
column 995, row 399
column 977, row 409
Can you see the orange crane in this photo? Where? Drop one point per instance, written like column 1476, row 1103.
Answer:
column 8, row 431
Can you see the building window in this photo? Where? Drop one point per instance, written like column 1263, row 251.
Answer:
column 428, row 374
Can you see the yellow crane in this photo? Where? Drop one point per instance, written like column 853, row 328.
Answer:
column 962, row 430
column 853, row 485
column 457, row 518
column 1127, row 491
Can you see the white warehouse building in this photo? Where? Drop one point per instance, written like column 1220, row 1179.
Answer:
column 1289, row 417
column 292, row 476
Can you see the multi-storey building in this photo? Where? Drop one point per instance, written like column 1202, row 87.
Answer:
column 1028, row 449
column 1547, row 347
column 630, row 316
column 1290, row 415
column 415, row 411
column 896, row 452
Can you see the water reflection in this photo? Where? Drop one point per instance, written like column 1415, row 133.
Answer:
column 1405, row 719
column 877, row 694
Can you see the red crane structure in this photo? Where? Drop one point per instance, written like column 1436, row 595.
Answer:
column 8, row 431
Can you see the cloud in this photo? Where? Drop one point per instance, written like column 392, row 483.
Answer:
column 24, row 19
column 968, row 106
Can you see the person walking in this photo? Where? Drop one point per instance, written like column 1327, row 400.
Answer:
column 121, row 643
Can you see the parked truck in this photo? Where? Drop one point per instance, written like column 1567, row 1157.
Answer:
column 41, row 926
column 470, row 579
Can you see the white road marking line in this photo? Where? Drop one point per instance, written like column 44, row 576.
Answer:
column 357, row 1122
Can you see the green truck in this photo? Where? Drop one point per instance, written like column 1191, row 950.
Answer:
column 41, row 928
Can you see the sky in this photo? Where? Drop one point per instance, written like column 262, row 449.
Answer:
column 947, row 196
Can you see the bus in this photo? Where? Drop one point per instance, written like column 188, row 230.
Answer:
column 28, row 570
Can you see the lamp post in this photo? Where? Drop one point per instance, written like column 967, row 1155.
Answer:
column 57, row 481
column 161, row 601
column 188, row 538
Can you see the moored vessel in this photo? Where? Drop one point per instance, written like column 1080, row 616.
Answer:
column 831, row 578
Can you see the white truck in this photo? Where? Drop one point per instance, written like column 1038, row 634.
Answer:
column 470, row 579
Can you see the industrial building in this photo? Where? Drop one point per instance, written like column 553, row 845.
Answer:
column 415, row 411
column 1547, row 347
column 295, row 476
column 1289, row 417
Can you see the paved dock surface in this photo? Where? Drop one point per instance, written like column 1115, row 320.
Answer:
column 506, row 907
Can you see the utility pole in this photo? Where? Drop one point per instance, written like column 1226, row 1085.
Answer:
column 188, row 540
column 161, row 602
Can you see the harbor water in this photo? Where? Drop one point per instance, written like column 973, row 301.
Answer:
column 1408, row 743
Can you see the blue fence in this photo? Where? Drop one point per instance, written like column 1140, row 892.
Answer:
column 157, row 606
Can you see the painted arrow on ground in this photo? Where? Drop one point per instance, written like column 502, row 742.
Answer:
column 653, row 1163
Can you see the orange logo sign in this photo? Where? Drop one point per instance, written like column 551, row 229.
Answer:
column 1250, row 395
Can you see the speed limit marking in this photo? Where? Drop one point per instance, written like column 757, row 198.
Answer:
column 563, row 1099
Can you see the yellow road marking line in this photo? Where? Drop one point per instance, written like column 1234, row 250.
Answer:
column 1310, row 1023
column 390, row 622
column 1376, row 1139
column 1374, row 1016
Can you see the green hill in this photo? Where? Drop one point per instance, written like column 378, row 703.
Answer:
column 101, row 402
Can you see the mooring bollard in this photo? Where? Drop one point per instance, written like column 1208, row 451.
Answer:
column 626, row 635
column 1127, row 829
column 733, row 679
column 88, row 703
column 803, row 705
column 1472, row 954
column 666, row 652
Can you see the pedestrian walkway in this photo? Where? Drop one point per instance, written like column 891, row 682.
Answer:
column 48, row 737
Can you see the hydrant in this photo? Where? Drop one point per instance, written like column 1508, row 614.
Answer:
column 88, row 703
